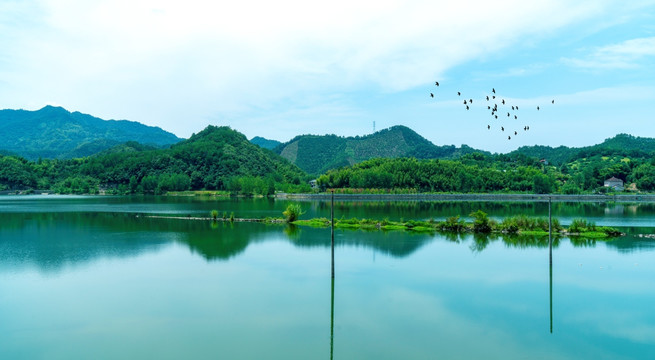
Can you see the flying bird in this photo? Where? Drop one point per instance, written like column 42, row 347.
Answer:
column 515, row 117
column 552, row 102
column 431, row 95
column 537, row 108
column 503, row 101
column 464, row 102
column 459, row 93
column 487, row 97
column 512, row 107
column 436, row 83
column 488, row 126
column 515, row 133
column 502, row 128
column 467, row 107
column 509, row 138
column 493, row 90
column 471, row 101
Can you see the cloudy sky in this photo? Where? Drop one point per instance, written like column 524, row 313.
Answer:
column 282, row 68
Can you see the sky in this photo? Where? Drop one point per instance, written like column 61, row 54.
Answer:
column 282, row 68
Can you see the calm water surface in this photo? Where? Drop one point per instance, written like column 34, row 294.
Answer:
column 94, row 277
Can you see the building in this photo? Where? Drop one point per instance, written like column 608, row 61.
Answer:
column 614, row 183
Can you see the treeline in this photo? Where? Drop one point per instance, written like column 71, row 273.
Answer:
column 218, row 158
column 481, row 173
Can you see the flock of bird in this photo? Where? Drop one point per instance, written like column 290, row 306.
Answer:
column 497, row 113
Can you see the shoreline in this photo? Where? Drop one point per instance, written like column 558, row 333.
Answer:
column 472, row 197
column 391, row 197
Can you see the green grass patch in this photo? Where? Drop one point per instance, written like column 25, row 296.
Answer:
column 533, row 232
column 319, row 222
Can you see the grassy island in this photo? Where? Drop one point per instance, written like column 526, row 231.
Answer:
column 520, row 224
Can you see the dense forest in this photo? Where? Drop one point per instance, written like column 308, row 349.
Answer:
column 218, row 158
column 480, row 173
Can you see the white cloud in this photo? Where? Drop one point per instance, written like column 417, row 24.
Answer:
column 624, row 55
column 179, row 64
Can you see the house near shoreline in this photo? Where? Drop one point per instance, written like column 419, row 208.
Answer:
column 614, row 183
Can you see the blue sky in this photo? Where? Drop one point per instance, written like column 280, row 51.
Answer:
column 284, row 68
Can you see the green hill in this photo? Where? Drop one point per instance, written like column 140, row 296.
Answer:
column 217, row 158
column 53, row 132
column 316, row 154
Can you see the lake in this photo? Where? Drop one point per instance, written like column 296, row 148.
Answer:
column 97, row 277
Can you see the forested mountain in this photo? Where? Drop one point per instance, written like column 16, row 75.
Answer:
column 217, row 158
column 55, row 133
column 265, row 143
column 316, row 154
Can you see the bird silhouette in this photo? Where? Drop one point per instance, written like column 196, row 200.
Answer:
column 464, row 102
column 512, row 107
column 507, row 114
column 515, row 133
column 471, row 101
column 493, row 96
column 493, row 90
column 502, row 128
column 467, row 107
column 488, row 126
column 515, row 117
column 525, row 128
column 552, row 102
column 496, row 116
column 489, row 108
column 517, row 107
column 487, row 97
column 431, row 95
column 436, row 83
column 509, row 138
column 503, row 101
column 459, row 93
column 537, row 108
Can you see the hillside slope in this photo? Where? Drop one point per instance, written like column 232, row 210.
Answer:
column 316, row 154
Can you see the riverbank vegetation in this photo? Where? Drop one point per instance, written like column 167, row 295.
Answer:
column 479, row 173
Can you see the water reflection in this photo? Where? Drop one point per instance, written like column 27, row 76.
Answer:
column 52, row 240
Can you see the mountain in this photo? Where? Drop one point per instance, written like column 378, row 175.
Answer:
column 54, row 132
column 265, row 143
column 316, row 154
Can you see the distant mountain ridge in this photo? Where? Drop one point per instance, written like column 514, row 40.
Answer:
column 265, row 143
column 620, row 144
column 54, row 132
column 316, row 154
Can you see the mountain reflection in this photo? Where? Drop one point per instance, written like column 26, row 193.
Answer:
column 52, row 241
